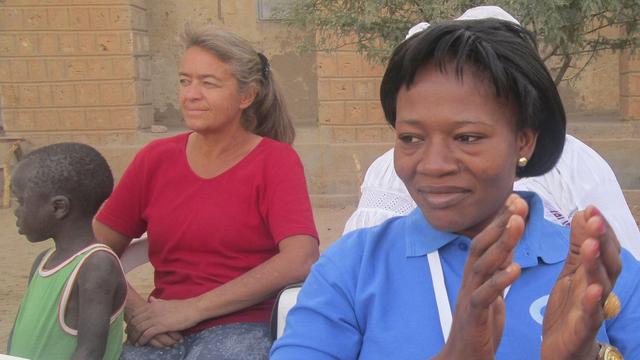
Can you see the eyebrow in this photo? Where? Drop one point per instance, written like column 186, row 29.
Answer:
column 203, row 76
column 416, row 122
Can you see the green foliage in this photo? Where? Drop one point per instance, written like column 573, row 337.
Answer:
column 570, row 32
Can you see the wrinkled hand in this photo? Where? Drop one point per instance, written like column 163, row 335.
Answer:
column 479, row 314
column 574, row 311
column 157, row 322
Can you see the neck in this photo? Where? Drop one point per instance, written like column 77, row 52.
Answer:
column 72, row 236
column 216, row 145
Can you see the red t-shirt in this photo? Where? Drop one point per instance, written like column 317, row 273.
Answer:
column 203, row 233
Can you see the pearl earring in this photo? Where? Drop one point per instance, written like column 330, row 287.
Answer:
column 522, row 162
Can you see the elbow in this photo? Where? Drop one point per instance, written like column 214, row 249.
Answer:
column 299, row 254
column 304, row 263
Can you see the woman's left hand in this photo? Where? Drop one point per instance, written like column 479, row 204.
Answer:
column 574, row 311
column 162, row 316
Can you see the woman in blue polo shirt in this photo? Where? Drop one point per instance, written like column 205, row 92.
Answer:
column 475, row 272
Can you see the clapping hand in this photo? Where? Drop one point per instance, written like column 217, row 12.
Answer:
column 574, row 312
column 479, row 314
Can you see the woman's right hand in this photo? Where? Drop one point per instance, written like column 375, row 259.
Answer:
column 135, row 301
column 479, row 315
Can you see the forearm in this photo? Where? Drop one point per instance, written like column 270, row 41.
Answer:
column 86, row 354
column 133, row 301
column 261, row 282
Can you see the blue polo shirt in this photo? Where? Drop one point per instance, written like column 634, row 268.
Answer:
column 370, row 296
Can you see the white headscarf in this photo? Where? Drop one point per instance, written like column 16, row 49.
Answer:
column 475, row 13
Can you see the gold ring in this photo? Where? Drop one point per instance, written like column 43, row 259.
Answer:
column 611, row 306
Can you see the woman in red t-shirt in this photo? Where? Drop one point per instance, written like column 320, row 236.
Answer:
column 225, row 208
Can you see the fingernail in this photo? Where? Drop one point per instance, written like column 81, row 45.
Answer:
column 596, row 245
column 509, row 268
column 602, row 228
column 508, row 222
column 595, row 211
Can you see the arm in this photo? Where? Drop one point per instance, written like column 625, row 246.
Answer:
column 325, row 308
column 290, row 265
column 34, row 267
column 98, row 292
column 113, row 239
column 118, row 243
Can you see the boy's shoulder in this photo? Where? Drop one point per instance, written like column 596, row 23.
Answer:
column 99, row 268
column 36, row 263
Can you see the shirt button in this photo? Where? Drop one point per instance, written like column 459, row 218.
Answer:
column 463, row 247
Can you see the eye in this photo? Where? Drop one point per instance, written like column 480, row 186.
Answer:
column 184, row 82
column 409, row 138
column 209, row 85
column 468, row 138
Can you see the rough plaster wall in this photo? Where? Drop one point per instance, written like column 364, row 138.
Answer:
column 167, row 18
column 597, row 89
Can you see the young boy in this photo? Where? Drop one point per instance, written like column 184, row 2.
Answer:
column 73, row 305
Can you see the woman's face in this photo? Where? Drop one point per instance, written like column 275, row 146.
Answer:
column 457, row 148
column 209, row 94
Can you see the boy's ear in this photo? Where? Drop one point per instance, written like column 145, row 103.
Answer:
column 61, row 206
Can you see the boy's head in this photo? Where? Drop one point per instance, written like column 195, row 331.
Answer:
column 55, row 181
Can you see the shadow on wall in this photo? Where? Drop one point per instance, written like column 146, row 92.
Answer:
column 169, row 117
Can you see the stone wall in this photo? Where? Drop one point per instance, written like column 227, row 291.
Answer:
column 74, row 70
column 348, row 96
column 630, row 86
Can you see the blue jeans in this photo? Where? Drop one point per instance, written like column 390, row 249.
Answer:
column 239, row 341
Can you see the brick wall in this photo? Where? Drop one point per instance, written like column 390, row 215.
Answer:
column 74, row 70
column 348, row 94
column 348, row 98
column 630, row 85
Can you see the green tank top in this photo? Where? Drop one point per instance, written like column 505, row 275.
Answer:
column 40, row 331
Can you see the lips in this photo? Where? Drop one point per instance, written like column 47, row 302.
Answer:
column 195, row 111
column 441, row 197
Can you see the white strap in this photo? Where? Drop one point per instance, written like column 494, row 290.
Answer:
column 440, row 291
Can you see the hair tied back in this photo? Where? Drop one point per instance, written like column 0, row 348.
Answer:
column 264, row 62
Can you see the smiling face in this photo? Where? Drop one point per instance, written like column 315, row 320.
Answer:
column 457, row 148
column 34, row 213
column 209, row 95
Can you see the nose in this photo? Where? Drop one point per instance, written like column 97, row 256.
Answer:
column 437, row 159
column 192, row 92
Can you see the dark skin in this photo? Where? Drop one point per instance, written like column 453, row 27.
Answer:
column 96, row 293
column 457, row 150
column 574, row 311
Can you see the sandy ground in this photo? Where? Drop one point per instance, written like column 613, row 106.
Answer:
column 17, row 255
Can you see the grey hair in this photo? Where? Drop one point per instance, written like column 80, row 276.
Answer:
column 267, row 115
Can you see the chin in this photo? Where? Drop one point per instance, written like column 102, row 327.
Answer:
column 35, row 239
column 452, row 222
